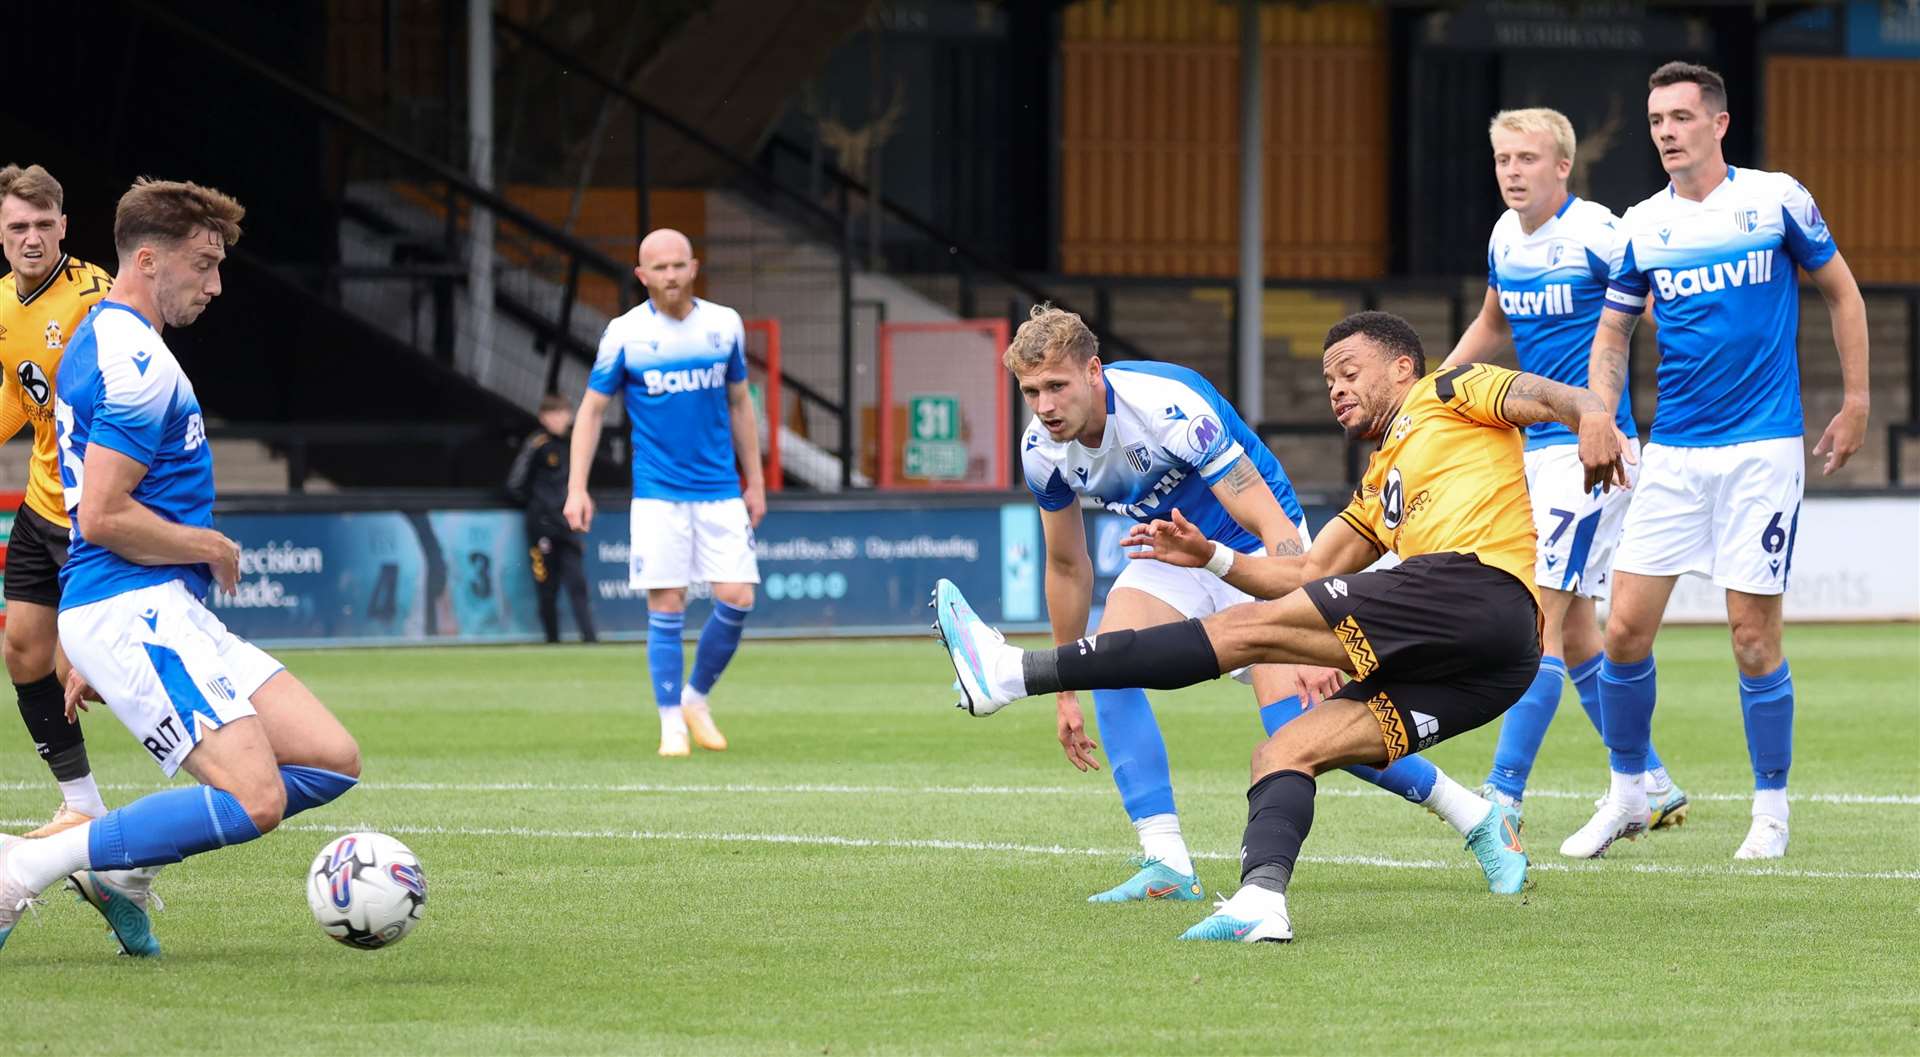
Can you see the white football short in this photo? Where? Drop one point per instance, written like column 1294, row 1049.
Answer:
column 169, row 669
column 1729, row 513
column 677, row 544
column 1577, row 530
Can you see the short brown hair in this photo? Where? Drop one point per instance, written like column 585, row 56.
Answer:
column 169, row 211
column 1049, row 333
column 32, row 185
column 1713, row 89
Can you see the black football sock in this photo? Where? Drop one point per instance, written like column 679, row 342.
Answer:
column 1166, row 657
column 43, row 707
column 1279, row 815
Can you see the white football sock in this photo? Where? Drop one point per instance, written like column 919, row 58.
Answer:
column 1629, row 791
column 1160, row 839
column 672, row 721
column 1659, row 782
column 1461, row 808
column 41, row 861
column 1006, row 674
column 1770, row 802
column 692, row 699
column 83, row 794
column 1255, row 900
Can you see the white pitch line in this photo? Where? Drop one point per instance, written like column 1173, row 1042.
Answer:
column 825, row 840
column 1099, row 789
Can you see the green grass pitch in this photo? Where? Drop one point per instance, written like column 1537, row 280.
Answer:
column 868, row 870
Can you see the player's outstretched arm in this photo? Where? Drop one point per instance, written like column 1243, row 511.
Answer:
column 1247, row 498
column 1338, row 549
column 109, row 516
column 1848, row 310
column 1603, row 448
column 1485, row 336
column 586, row 440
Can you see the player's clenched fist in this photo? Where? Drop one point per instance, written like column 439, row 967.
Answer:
column 578, row 511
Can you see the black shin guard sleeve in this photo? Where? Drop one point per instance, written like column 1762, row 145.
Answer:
column 1279, row 815
column 1166, row 657
column 43, row 708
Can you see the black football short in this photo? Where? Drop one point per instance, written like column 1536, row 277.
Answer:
column 35, row 553
column 1440, row 644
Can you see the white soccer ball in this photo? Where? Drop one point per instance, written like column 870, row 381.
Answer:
column 366, row 890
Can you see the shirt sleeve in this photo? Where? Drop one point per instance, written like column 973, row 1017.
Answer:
column 1493, row 280
column 1049, row 489
column 1807, row 239
column 135, row 394
column 608, row 363
column 737, row 363
column 13, row 408
column 1600, row 240
column 1626, row 283
column 1192, row 435
column 1475, row 392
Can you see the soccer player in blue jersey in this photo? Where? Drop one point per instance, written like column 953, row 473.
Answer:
column 1142, row 440
column 1546, row 276
column 1719, row 496
column 681, row 364
column 138, row 480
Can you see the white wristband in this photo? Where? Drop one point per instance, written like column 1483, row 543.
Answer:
column 1222, row 559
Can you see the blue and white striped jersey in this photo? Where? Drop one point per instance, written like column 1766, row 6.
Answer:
column 1551, row 284
column 1170, row 435
column 675, row 373
column 1727, row 299
column 121, row 388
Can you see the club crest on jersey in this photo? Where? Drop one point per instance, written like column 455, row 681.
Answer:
column 1204, row 433
column 713, row 338
column 1138, row 458
column 1553, row 254
column 1401, row 427
column 1746, row 219
column 54, row 340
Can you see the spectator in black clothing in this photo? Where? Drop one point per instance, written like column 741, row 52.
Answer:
column 538, row 480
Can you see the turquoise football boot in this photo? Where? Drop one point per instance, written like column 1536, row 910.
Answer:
column 1253, row 915
column 968, row 641
column 122, row 897
column 1669, row 811
column 1155, row 881
column 1496, row 843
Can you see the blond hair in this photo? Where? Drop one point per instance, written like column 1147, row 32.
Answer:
column 1538, row 120
column 1048, row 334
column 170, row 210
column 32, row 185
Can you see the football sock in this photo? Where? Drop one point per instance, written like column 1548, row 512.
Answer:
column 666, row 658
column 157, row 829
column 1629, row 791
column 43, row 708
column 1524, row 727
column 309, row 787
column 719, row 637
column 1766, row 703
column 672, row 720
column 1585, row 678
column 83, row 794
column 1279, row 816
column 1627, row 695
column 1411, row 777
column 1136, row 752
column 1659, row 782
column 1166, row 657
column 1160, row 839
column 1460, row 807
column 1770, row 802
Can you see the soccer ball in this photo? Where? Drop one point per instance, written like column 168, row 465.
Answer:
column 366, row 890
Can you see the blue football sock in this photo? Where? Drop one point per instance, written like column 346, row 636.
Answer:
column 1766, row 702
column 666, row 657
column 1524, row 727
column 718, row 639
column 1136, row 752
column 166, row 827
column 1410, row 776
column 1627, row 696
column 309, row 787
column 1585, row 678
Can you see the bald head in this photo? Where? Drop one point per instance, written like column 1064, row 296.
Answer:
column 667, row 268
